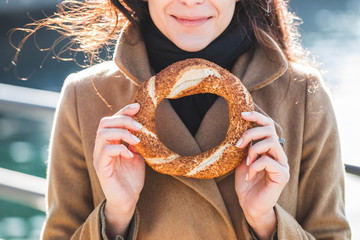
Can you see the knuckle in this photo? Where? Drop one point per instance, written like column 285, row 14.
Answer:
column 268, row 130
column 125, row 120
column 271, row 129
column 267, row 160
column 274, row 139
column 286, row 161
column 121, row 132
column 107, row 149
column 122, row 147
column 287, row 167
column 246, row 135
column 286, row 176
column 100, row 133
column 103, row 121
column 271, row 123
column 120, row 118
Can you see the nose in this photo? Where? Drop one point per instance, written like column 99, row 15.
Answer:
column 191, row 2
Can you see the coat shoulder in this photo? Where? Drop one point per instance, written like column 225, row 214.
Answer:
column 104, row 79
column 318, row 93
column 310, row 81
column 309, row 75
column 96, row 73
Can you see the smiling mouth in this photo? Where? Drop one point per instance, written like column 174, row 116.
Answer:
column 191, row 21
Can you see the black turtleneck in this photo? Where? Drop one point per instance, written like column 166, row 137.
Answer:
column 223, row 51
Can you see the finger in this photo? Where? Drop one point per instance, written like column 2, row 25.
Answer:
column 269, row 146
column 129, row 110
column 240, row 171
column 104, row 156
column 276, row 172
column 115, row 135
column 255, row 134
column 258, row 118
column 120, row 121
column 121, row 150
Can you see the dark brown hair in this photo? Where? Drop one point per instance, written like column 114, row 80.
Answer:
column 93, row 25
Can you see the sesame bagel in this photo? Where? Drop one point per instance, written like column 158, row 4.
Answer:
column 188, row 77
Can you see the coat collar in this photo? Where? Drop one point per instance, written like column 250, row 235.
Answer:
column 256, row 69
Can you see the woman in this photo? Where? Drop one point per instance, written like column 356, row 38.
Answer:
column 99, row 188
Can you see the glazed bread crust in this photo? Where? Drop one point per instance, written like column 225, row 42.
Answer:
column 188, row 77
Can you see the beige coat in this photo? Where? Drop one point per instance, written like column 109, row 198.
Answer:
column 172, row 207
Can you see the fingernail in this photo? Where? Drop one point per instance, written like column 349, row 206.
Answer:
column 247, row 161
column 247, row 177
column 130, row 153
column 133, row 105
column 239, row 142
column 138, row 125
column 245, row 113
column 135, row 138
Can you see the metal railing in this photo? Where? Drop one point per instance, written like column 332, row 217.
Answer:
column 22, row 188
column 27, row 103
column 352, row 169
column 26, row 189
column 35, row 103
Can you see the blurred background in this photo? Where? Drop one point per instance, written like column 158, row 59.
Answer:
column 330, row 30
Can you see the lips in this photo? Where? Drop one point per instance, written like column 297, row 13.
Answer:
column 191, row 21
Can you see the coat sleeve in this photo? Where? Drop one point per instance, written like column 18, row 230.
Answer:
column 132, row 230
column 320, row 207
column 71, row 213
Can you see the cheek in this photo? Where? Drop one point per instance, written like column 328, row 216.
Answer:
column 225, row 16
column 157, row 11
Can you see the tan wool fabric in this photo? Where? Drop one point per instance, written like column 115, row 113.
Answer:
column 171, row 207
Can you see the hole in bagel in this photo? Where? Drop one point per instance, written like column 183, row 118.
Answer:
column 174, row 134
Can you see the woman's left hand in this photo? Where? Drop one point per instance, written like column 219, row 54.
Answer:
column 260, row 179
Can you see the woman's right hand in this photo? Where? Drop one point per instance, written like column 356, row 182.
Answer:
column 121, row 170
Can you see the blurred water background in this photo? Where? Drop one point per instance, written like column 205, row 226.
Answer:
column 330, row 30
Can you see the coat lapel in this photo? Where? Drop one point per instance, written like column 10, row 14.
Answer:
column 130, row 56
column 260, row 66
column 214, row 125
column 180, row 140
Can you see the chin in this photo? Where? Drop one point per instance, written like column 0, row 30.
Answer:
column 191, row 46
